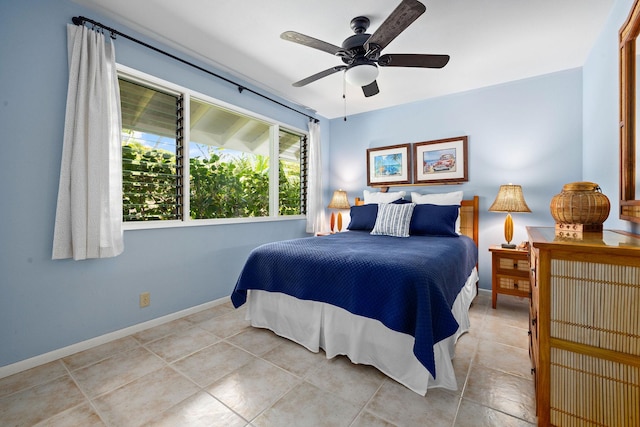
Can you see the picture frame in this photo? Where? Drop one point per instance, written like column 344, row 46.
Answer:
column 441, row 161
column 390, row 165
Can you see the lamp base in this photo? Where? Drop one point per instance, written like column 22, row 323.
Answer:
column 509, row 245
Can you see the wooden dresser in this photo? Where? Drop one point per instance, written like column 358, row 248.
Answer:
column 585, row 328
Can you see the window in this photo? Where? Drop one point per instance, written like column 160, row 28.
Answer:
column 292, row 173
column 151, row 166
column 187, row 157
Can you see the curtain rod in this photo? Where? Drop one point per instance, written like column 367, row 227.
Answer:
column 80, row 20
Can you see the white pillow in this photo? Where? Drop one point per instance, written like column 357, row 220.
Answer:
column 453, row 198
column 393, row 219
column 379, row 197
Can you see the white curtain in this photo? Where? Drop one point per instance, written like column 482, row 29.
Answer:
column 89, row 211
column 315, row 209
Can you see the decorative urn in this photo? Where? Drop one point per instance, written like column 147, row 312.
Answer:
column 580, row 207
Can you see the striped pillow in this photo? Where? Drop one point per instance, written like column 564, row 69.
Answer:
column 393, row 220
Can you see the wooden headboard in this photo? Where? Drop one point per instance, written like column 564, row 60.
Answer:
column 468, row 217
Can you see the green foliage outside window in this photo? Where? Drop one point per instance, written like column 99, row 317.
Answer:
column 289, row 188
column 220, row 186
column 148, row 183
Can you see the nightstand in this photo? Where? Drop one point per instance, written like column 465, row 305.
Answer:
column 509, row 273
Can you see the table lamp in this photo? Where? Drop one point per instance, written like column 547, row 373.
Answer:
column 338, row 201
column 509, row 199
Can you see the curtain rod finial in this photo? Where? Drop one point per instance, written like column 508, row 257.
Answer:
column 77, row 20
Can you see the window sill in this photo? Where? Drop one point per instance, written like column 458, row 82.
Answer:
column 148, row 225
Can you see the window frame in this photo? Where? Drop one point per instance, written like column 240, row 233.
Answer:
column 274, row 130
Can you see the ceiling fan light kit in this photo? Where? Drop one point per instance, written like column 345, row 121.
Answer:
column 361, row 51
column 361, row 75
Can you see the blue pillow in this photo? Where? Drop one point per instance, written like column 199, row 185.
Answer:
column 363, row 217
column 434, row 220
column 401, row 202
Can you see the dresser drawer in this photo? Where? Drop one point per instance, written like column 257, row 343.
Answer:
column 533, row 325
column 533, row 277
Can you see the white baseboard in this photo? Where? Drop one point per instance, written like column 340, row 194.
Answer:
column 41, row 359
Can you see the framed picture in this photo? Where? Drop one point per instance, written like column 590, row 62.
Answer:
column 389, row 165
column 441, row 161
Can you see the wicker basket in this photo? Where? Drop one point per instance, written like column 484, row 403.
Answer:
column 580, row 206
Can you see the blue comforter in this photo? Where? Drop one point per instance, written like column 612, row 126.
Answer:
column 408, row 284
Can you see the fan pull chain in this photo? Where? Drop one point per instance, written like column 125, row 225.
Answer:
column 344, row 93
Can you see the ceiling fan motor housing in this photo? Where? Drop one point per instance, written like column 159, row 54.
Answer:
column 353, row 47
column 353, row 51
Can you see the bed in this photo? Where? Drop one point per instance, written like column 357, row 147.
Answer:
column 398, row 304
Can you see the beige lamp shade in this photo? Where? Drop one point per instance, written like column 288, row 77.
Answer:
column 509, row 199
column 338, row 201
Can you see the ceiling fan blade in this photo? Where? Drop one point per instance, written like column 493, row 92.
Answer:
column 413, row 60
column 304, row 40
column 403, row 15
column 371, row 89
column 319, row 75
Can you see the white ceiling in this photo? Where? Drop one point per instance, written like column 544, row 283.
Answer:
column 489, row 41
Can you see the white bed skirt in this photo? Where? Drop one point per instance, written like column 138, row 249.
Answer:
column 367, row 341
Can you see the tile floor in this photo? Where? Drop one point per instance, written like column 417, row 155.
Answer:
column 212, row 369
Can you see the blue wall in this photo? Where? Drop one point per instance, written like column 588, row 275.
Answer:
column 527, row 132
column 46, row 305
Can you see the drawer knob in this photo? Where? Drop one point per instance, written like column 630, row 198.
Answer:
column 533, row 371
column 534, row 321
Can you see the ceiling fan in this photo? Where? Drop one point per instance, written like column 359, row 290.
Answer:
column 361, row 51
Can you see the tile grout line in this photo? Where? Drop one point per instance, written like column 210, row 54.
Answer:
column 466, row 377
column 364, row 407
column 86, row 396
column 33, row 385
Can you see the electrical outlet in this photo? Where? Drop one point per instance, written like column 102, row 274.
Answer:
column 145, row 299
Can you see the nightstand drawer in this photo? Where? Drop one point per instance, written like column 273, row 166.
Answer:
column 511, row 266
column 513, row 283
